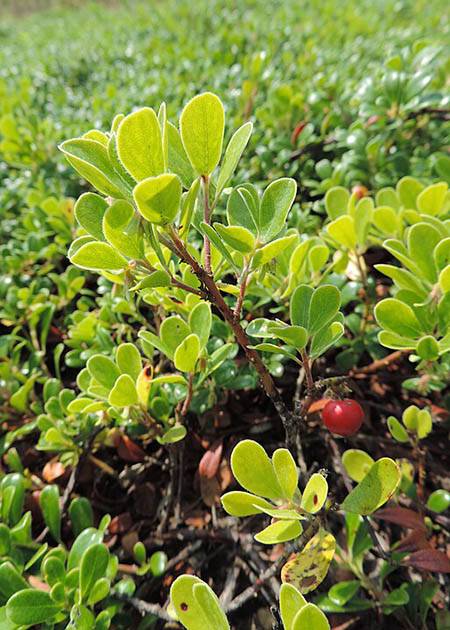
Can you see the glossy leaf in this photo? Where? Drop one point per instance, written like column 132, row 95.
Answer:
column 98, row 256
column 276, row 202
column 124, row 392
column 310, row 617
column 254, row 471
column 187, row 354
column 89, row 210
column 196, row 605
column 291, row 601
column 233, row 153
column 279, row 532
column 376, row 488
column 31, row 607
column 285, row 471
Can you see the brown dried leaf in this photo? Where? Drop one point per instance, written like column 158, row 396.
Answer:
column 210, row 490
column 53, row 470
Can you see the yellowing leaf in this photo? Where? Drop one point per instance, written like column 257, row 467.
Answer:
column 314, row 494
column 309, row 567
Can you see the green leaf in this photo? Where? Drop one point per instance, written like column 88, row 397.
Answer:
column 236, row 237
column 187, row 354
column 238, row 503
column 408, row 190
column 310, row 617
column 129, row 360
column 439, row 501
column 51, row 511
column 296, row 336
column 432, row 198
column 386, row 220
column 173, row 332
column 139, row 144
column 272, row 250
column 196, row 608
column 178, row 159
column 397, row 430
column 174, row 434
column 158, row 198
column 376, row 488
column 200, row 320
column 99, row 591
column 343, row 231
column 89, row 211
column 83, row 541
column 343, row 592
column 31, row 607
column 424, row 423
column 232, row 155
column 428, row 348
column 243, row 209
column 324, row 304
column 103, row 369
column 315, row 494
column 397, row 317
column 202, row 125
column 325, row 338
column 158, row 563
column 254, row 471
column 121, row 229
column 279, row 532
column 11, row 580
column 81, row 514
column 93, row 566
column 124, row 392
column 422, row 239
column 285, row 471
column 90, row 159
column 276, row 202
column 209, row 231
column 98, row 256
column 336, row 201
column 444, row 279
column 300, row 303
column 291, row 601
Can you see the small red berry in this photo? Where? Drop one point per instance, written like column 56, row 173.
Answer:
column 360, row 191
column 343, row 417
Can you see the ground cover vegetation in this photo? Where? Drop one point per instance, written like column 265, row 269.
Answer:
column 225, row 315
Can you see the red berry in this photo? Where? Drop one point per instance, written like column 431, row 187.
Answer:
column 360, row 191
column 343, row 417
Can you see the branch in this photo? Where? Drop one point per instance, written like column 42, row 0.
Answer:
column 216, row 298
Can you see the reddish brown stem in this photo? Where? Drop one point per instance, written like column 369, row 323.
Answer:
column 216, row 298
column 207, row 219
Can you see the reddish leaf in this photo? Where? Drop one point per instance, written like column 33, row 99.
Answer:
column 128, row 450
column 429, row 560
column 210, row 462
column 297, row 131
column 415, row 540
column 402, row 516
